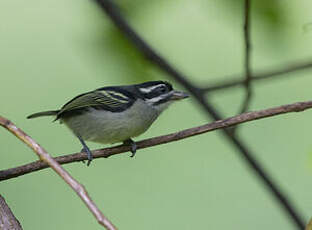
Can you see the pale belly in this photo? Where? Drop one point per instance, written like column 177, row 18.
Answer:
column 107, row 127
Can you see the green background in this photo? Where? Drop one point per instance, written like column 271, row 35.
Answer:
column 53, row 50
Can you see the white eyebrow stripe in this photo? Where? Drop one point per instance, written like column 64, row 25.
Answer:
column 151, row 88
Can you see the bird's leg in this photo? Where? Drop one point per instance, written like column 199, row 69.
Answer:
column 86, row 150
column 133, row 146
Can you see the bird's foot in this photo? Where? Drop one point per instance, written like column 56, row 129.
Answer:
column 86, row 150
column 89, row 155
column 132, row 145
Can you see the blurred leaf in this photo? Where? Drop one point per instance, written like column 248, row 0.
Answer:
column 114, row 44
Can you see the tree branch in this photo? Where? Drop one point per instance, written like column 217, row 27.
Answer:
column 247, row 61
column 45, row 157
column 262, row 75
column 7, row 219
column 107, row 152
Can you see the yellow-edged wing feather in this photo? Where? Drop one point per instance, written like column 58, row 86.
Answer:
column 106, row 98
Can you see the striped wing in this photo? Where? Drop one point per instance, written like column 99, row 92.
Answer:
column 100, row 99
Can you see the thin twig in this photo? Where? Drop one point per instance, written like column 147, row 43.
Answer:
column 247, row 60
column 45, row 157
column 112, row 11
column 106, row 152
column 7, row 219
column 261, row 75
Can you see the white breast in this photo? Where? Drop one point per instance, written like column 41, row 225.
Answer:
column 108, row 127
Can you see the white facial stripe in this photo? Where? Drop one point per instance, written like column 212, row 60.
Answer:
column 156, row 99
column 151, row 88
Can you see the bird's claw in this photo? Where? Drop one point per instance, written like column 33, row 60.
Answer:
column 132, row 145
column 89, row 155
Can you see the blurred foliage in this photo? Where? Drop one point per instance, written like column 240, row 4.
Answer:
column 273, row 13
column 123, row 53
column 53, row 50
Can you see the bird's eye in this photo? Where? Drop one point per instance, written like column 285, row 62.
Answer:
column 163, row 89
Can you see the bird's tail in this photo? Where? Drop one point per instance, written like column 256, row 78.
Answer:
column 45, row 113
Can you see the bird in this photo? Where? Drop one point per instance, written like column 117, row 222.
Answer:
column 115, row 114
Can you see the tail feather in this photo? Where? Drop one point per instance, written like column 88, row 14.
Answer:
column 45, row 113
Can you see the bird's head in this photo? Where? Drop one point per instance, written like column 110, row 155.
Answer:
column 159, row 94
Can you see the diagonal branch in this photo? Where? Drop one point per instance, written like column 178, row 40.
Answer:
column 107, row 152
column 7, row 219
column 45, row 157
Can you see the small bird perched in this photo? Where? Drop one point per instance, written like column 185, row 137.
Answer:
column 116, row 113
